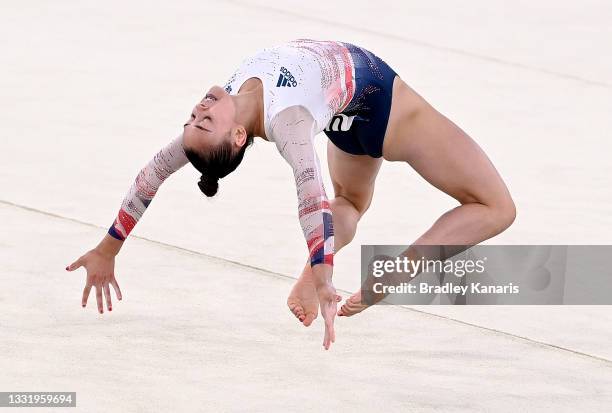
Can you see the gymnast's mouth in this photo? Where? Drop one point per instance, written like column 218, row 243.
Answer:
column 201, row 128
column 198, row 126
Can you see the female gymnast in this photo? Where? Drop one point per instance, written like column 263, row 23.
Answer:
column 287, row 95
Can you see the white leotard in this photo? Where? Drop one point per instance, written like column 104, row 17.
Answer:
column 318, row 75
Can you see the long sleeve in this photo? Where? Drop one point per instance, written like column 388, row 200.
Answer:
column 293, row 132
column 167, row 161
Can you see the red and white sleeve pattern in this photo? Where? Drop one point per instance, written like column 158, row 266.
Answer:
column 294, row 136
column 141, row 193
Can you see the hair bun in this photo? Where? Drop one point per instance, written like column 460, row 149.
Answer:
column 208, row 185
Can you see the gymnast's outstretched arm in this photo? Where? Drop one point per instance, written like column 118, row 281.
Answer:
column 100, row 261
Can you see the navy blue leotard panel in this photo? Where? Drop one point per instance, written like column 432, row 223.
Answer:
column 360, row 128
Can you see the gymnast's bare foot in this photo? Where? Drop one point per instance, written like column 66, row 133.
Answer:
column 303, row 300
column 352, row 306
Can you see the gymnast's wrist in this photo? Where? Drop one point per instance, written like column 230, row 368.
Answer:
column 109, row 246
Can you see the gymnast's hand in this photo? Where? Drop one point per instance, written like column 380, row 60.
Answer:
column 328, row 300
column 100, row 266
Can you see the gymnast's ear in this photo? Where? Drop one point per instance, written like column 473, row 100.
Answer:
column 239, row 136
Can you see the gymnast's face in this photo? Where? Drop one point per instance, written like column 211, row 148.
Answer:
column 211, row 121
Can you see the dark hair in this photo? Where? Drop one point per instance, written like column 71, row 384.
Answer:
column 216, row 164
